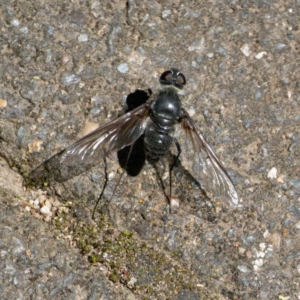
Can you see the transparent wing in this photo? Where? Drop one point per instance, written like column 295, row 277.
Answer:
column 108, row 138
column 92, row 148
column 199, row 158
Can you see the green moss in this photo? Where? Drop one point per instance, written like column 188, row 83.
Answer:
column 94, row 258
column 119, row 250
column 113, row 276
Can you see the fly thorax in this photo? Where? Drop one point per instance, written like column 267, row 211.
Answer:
column 166, row 109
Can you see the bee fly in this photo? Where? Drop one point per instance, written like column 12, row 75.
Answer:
column 162, row 120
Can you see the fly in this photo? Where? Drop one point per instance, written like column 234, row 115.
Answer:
column 163, row 122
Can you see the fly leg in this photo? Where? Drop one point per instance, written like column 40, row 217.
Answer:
column 103, row 188
column 172, row 166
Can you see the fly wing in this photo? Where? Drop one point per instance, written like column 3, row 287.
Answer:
column 199, row 158
column 92, row 148
column 108, row 138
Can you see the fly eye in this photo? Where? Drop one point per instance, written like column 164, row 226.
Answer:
column 173, row 77
column 166, row 76
column 180, row 79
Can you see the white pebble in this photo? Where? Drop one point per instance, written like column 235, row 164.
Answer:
column 174, row 202
column 45, row 210
column 266, row 233
column 246, row 50
column 166, row 13
column 24, row 30
column 83, row 38
column 210, row 55
column 48, row 204
column 262, row 246
column 256, row 268
column 15, row 22
column 111, row 175
column 258, row 262
column 260, row 55
column 272, row 173
column 260, row 254
column 132, row 281
column 123, row 68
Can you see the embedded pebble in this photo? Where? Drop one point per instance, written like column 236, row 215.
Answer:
column 45, row 210
column 83, row 38
column 123, row 68
column 244, row 269
column 48, row 204
column 69, row 78
column 24, row 29
column 259, row 262
column 166, row 13
column 35, row 146
column 131, row 282
column 275, row 240
column 272, row 174
column 111, row 175
column 15, row 22
column 195, row 64
column 279, row 48
column 3, row 103
column 174, row 202
column 88, row 128
column 246, row 50
column 260, row 55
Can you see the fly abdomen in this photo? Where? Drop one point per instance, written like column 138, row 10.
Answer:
column 157, row 141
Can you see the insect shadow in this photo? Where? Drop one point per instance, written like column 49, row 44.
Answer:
column 132, row 158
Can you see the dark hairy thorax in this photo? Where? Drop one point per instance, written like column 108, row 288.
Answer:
column 165, row 113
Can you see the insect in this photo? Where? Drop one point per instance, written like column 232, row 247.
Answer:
column 163, row 122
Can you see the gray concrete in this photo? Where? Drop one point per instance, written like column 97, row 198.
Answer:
column 65, row 64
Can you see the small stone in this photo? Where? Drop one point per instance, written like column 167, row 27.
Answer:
column 259, row 262
column 131, row 282
column 111, row 175
column 241, row 250
column 123, row 68
column 246, row 50
column 3, row 103
column 88, row 128
column 244, row 269
column 24, row 29
column 35, row 146
column 166, row 13
column 45, row 210
column 69, row 78
column 83, row 38
column 260, row 55
column 15, row 22
column 174, row 202
column 275, row 240
column 48, row 204
column 272, row 173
